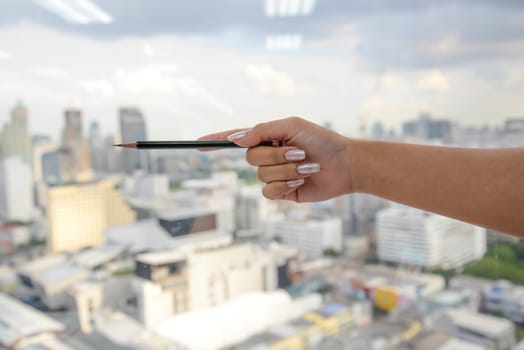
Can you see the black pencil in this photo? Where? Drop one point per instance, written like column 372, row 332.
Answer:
column 187, row 144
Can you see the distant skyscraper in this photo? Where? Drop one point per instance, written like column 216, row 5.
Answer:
column 411, row 236
column 16, row 190
column 15, row 140
column 377, row 130
column 79, row 214
column 74, row 140
column 58, row 167
column 133, row 128
column 425, row 127
column 113, row 155
column 96, row 147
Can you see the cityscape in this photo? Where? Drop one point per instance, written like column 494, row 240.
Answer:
column 108, row 248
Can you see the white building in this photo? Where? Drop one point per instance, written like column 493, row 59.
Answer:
column 23, row 327
column 312, row 236
column 489, row 331
column 16, row 196
column 506, row 298
column 410, row 236
column 252, row 210
column 223, row 326
column 146, row 185
column 174, row 282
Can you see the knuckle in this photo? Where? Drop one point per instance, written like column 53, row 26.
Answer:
column 294, row 120
column 258, row 126
column 251, row 157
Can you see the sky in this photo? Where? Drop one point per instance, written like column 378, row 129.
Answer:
column 200, row 66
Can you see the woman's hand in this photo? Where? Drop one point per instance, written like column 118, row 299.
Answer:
column 312, row 165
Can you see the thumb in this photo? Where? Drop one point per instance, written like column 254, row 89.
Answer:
column 279, row 130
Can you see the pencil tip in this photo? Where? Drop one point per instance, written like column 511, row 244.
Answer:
column 127, row 145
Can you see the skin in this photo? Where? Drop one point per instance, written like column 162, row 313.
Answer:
column 484, row 187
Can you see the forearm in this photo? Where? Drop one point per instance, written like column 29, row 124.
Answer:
column 483, row 187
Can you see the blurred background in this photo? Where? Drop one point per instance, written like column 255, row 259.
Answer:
column 103, row 248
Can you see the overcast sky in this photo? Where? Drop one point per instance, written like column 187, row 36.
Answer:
column 198, row 66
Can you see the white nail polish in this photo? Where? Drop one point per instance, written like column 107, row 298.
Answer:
column 295, row 154
column 309, row 168
column 237, row 135
column 295, row 183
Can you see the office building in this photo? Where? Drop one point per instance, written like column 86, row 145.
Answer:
column 15, row 139
column 96, row 148
column 73, row 140
column 133, row 128
column 427, row 128
column 112, row 155
column 312, row 236
column 58, row 167
column 78, row 214
column 16, row 195
column 410, row 236
column 173, row 282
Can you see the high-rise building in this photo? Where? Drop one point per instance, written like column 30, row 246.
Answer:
column 113, row 155
column 15, row 140
column 425, row 127
column 73, row 140
column 414, row 237
column 58, row 167
column 96, row 147
column 312, row 236
column 78, row 214
column 133, row 128
column 16, row 195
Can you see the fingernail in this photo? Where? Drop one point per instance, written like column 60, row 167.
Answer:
column 309, row 168
column 295, row 154
column 237, row 135
column 295, row 183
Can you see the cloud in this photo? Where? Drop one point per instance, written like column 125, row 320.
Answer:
column 49, row 72
column 5, row 55
column 432, row 80
column 149, row 51
column 515, row 77
column 269, row 81
column 160, row 80
column 98, row 87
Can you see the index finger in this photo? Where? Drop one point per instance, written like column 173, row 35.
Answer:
column 218, row 136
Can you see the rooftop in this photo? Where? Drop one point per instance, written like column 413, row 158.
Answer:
column 18, row 320
column 482, row 324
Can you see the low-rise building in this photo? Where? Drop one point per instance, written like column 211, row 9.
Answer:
column 488, row 331
column 505, row 298
column 174, row 282
column 22, row 327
